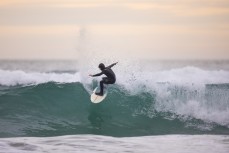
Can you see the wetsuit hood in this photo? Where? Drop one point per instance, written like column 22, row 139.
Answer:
column 101, row 66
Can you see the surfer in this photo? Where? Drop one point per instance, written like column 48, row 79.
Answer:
column 110, row 79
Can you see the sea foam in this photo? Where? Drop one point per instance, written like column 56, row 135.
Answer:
column 19, row 77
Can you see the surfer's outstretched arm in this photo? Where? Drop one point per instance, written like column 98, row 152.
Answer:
column 96, row 74
column 110, row 66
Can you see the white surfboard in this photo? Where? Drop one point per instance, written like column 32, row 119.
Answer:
column 97, row 99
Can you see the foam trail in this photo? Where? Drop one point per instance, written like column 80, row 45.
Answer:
column 103, row 144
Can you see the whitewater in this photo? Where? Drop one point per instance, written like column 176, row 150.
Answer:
column 158, row 106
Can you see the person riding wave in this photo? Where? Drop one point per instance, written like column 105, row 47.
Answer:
column 109, row 79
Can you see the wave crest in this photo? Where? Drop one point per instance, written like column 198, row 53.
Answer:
column 18, row 77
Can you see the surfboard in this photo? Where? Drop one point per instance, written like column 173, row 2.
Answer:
column 97, row 99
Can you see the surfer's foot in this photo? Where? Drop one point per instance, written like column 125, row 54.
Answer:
column 99, row 94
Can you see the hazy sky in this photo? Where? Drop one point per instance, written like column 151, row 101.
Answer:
column 157, row 29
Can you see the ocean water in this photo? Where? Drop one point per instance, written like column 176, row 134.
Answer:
column 155, row 106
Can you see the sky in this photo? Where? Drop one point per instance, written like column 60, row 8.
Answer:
column 146, row 29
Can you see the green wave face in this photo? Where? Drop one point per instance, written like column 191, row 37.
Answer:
column 52, row 109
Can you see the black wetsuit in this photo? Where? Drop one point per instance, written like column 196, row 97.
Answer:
column 110, row 79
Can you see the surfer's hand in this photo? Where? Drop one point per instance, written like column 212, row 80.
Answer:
column 90, row 75
column 116, row 63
